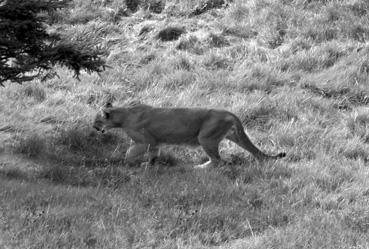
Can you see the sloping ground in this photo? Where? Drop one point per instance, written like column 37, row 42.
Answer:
column 295, row 72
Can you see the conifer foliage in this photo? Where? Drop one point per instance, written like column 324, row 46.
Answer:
column 29, row 51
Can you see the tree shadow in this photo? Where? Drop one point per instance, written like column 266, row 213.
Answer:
column 15, row 174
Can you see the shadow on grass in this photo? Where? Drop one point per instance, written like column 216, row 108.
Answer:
column 14, row 174
column 108, row 173
column 83, row 157
column 106, row 176
column 110, row 176
column 210, row 205
column 77, row 146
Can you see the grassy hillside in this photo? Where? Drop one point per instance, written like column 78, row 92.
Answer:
column 295, row 71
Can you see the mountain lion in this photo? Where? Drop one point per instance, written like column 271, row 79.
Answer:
column 150, row 126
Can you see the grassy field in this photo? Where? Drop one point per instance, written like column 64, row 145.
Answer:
column 296, row 72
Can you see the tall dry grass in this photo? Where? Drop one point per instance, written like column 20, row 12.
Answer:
column 295, row 72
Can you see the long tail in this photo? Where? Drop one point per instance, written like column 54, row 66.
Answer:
column 241, row 138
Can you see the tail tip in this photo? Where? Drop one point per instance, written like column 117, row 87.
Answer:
column 281, row 155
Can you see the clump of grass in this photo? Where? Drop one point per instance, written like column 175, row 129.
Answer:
column 14, row 174
column 207, row 5
column 84, row 140
column 145, row 29
column 357, row 219
column 358, row 123
column 83, row 12
column 335, row 21
column 263, row 114
column 75, row 139
column 238, row 11
column 35, row 91
column 155, row 6
column 170, row 33
column 98, row 98
column 241, row 31
column 93, row 33
column 31, row 145
column 331, row 176
column 179, row 79
column 132, row 5
column 57, row 174
column 344, row 81
column 82, row 15
column 274, row 20
column 148, row 58
column 346, row 96
column 359, row 8
column 214, row 61
column 299, row 44
column 83, row 146
column 183, row 63
column 258, row 76
column 314, row 59
column 166, row 159
column 217, row 40
column 355, row 150
column 191, row 44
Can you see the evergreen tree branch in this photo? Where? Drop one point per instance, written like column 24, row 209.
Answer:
column 28, row 51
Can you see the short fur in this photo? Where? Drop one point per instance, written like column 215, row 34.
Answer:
column 150, row 126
